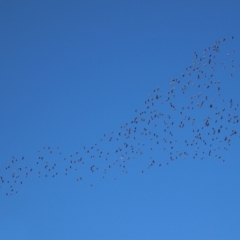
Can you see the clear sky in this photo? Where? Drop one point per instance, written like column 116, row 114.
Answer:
column 119, row 120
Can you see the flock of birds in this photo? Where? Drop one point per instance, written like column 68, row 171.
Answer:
column 193, row 120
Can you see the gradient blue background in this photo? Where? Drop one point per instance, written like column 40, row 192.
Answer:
column 73, row 70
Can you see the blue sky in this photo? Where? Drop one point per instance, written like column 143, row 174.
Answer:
column 75, row 77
